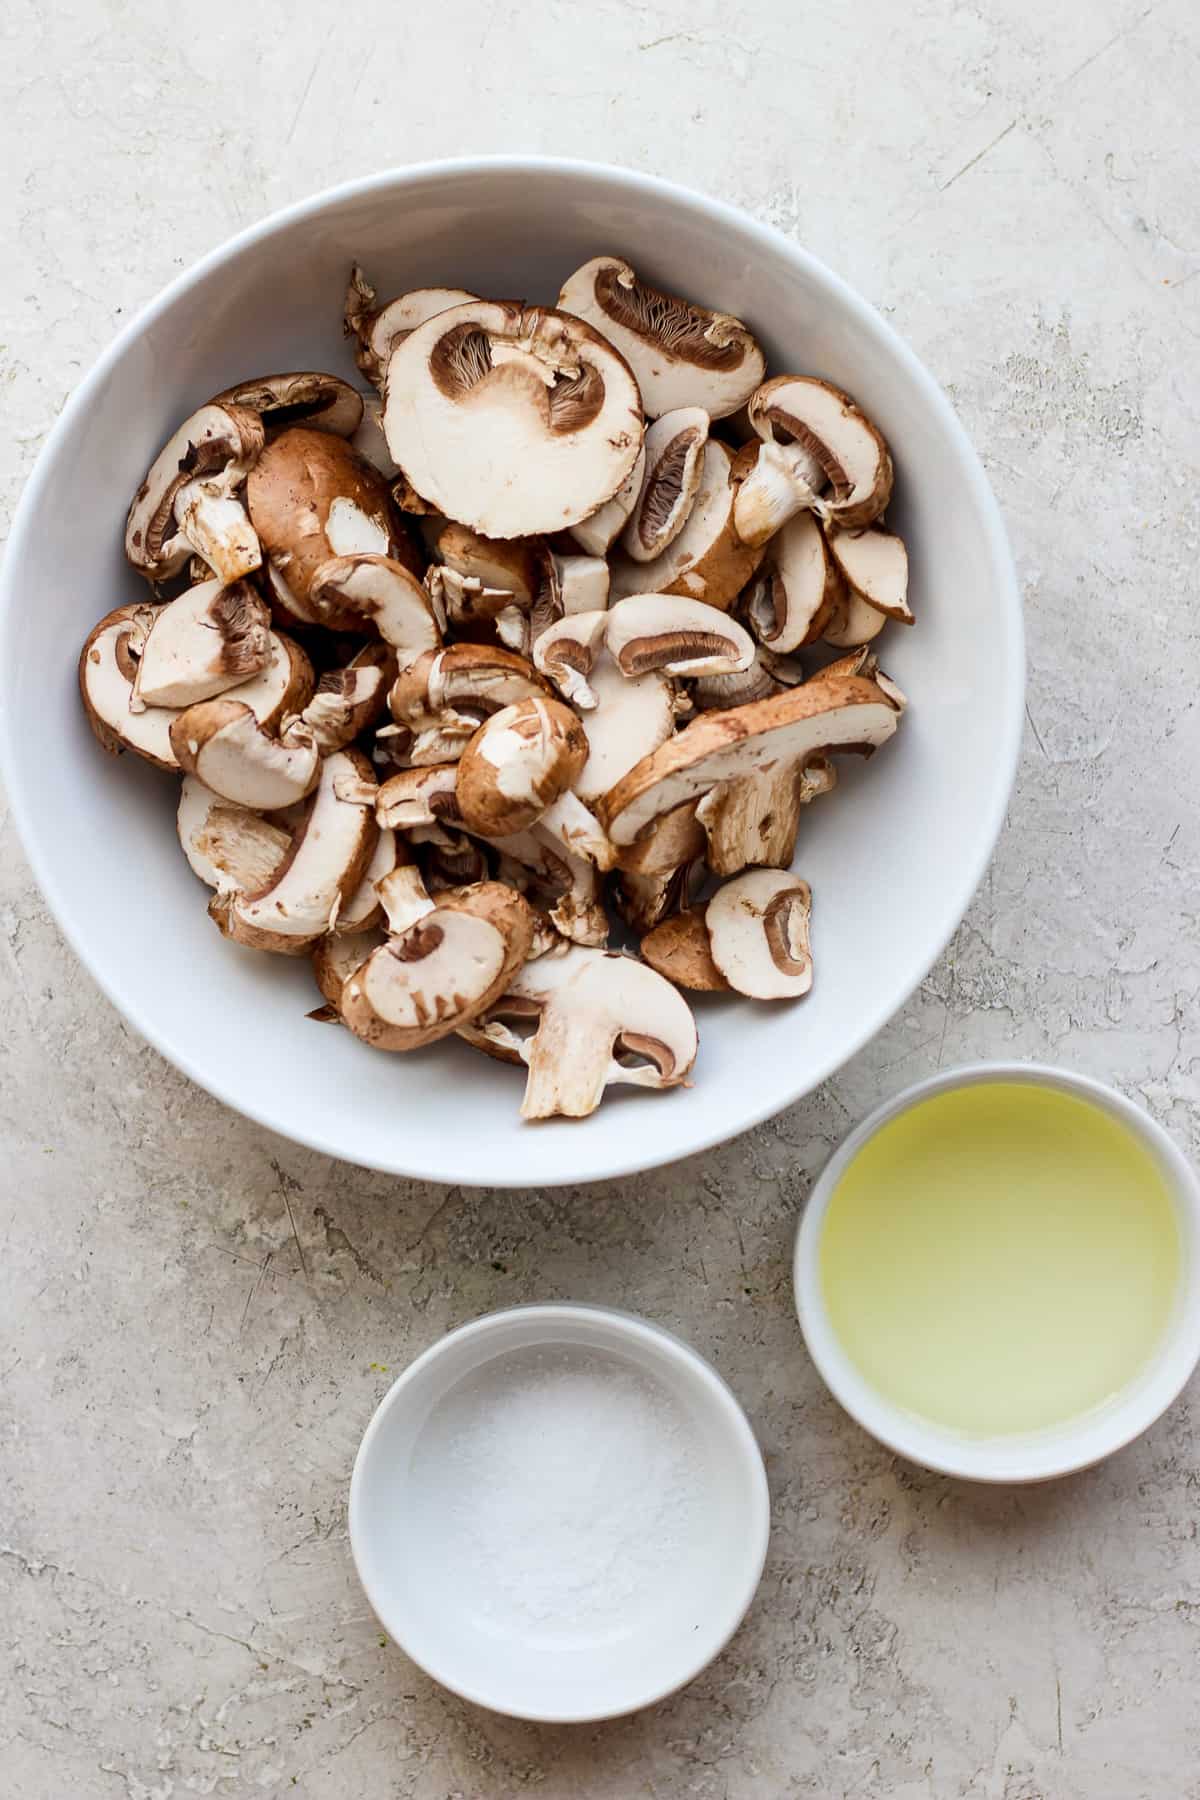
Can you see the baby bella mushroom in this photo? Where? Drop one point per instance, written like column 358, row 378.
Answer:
column 678, row 948
column 208, row 640
column 518, row 763
column 757, row 928
column 224, row 746
column 442, row 970
column 797, row 588
column 817, row 451
column 707, row 560
column 681, row 353
column 188, row 502
column 378, row 328
column 512, row 420
column 302, row 397
column 227, row 846
column 674, row 450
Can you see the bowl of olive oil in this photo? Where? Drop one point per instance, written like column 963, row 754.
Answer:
column 998, row 1273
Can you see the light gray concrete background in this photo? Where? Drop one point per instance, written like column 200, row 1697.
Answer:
column 197, row 1318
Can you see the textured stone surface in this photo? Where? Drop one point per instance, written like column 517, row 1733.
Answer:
column 196, row 1318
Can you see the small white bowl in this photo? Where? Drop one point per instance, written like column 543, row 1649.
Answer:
column 917, row 825
column 1056, row 1450
column 560, row 1512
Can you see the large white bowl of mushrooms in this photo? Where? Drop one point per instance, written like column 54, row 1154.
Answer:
column 509, row 740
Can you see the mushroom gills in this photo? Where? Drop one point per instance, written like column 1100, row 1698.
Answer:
column 758, row 932
column 208, row 640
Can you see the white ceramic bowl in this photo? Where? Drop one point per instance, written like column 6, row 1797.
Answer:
column 560, row 1512
column 893, row 858
column 1056, row 1450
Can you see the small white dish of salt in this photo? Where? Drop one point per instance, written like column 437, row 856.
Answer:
column 560, row 1512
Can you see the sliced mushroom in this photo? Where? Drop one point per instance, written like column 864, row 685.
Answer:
column 378, row 328
column 513, row 565
column 347, row 702
column 601, row 529
column 335, row 959
column 404, row 897
column 630, row 717
column 227, row 846
column 566, row 653
column 517, row 764
column 679, row 949
column 443, row 971
column 108, row 669
column 362, row 910
column 671, row 635
column 514, row 420
column 224, row 746
column 707, row 561
column 567, row 885
column 853, row 622
column 186, row 503
column 659, row 872
column 818, row 452
column 443, row 697
column 329, row 853
column 311, row 497
column 757, row 929
column 725, row 755
column 285, row 686
column 415, row 797
column 209, row 639
column 864, row 661
column 875, row 565
column 717, row 693
column 582, row 584
column 681, row 353
column 674, row 464
column 595, row 1013
column 797, row 588
column 303, row 397
column 370, row 590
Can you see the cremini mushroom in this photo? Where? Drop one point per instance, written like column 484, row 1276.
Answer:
column 874, row 564
column 378, row 328
column 227, row 846
column 329, row 852
column 582, row 583
column 312, row 497
column 660, row 871
column 679, row 949
column 517, row 764
column 512, row 420
column 205, row 642
column 707, row 560
column 757, row 926
column 347, row 702
column 442, row 698
column 367, row 590
column 819, row 452
column 670, row 635
column 362, row 909
column 797, row 589
column 674, row 450
column 440, row 972
column 596, row 534
column 599, row 1019
column 224, row 746
column 336, row 958
column 302, row 397
column 630, row 717
column 681, row 353
column 745, row 768
column 853, row 622
column 717, row 693
column 189, row 499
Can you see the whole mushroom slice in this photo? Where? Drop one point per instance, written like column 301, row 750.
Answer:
column 731, row 755
column 566, row 652
column 346, row 703
column 874, row 564
column 797, row 588
column 596, row 534
column 367, row 590
column 681, row 353
column 209, row 639
column 377, row 328
column 674, row 451
column 442, row 972
column 312, row 497
column 708, row 560
column 819, row 452
column 335, row 959
column 187, row 502
column 513, row 420
column 670, row 635
column 301, row 397
column 679, row 949
column 227, row 846
column 329, row 853
column 521, row 760
column 758, row 927
column 601, row 1019
column 224, row 746
column 284, row 687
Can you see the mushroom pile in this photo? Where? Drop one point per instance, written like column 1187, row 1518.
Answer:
column 550, row 634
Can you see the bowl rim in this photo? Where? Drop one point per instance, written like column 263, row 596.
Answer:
column 1056, row 1450
column 659, row 1347
column 607, row 1158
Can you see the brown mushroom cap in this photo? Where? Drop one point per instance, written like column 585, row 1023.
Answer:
column 681, row 353
column 443, row 697
column 367, row 591
column 757, row 927
column 311, row 497
column 442, row 972
column 512, row 420
column 707, row 561
column 300, row 397
column 678, row 948
column 517, row 764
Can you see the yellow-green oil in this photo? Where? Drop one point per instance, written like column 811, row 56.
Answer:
column 1000, row 1258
